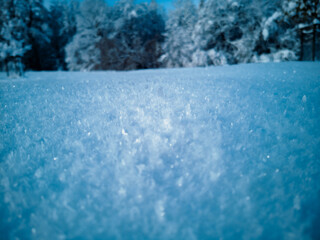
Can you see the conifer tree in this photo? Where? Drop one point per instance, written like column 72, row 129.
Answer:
column 13, row 31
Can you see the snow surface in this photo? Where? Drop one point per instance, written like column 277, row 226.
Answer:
column 206, row 153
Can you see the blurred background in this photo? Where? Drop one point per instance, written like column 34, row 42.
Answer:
column 124, row 35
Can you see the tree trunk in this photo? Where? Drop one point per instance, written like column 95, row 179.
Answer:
column 301, row 45
column 6, row 62
column 14, row 66
column 314, row 43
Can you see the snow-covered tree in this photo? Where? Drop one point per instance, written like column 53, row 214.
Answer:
column 125, row 36
column 13, row 31
column 63, row 27
column 216, row 33
column 306, row 16
column 179, row 45
column 41, row 55
column 69, row 12
column 83, row 53
column 267, row 7
column 27, row 36
column 278, row 40
column 137, row 33
column 227, row 31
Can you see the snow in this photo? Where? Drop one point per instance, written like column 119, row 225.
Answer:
column 265, row 34
column 269, row 25
column 291, row 6
column 279, row 56
column 205, row 153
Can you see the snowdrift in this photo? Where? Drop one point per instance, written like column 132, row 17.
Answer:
column 227, row 152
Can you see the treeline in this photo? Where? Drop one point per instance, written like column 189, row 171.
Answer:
column 90, row 35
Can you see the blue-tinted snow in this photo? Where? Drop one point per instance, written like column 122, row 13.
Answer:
column 209, row 153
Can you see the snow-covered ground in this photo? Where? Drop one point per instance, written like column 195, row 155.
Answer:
column 207, row 153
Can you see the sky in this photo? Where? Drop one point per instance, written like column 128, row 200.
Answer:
column 166, row 4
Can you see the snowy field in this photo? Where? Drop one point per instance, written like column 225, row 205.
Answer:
column 207, row 153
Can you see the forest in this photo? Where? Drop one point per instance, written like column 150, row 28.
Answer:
column 92, row 35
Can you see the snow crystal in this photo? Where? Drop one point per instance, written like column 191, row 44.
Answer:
column 160, row 210
column 304, row 98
